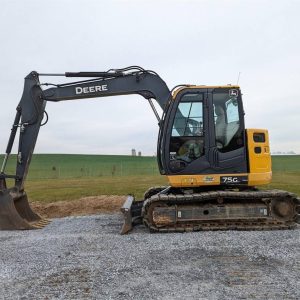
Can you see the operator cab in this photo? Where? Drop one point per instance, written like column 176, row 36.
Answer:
column 203, row 132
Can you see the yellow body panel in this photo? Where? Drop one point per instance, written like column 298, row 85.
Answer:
column 197, row 180
column 214, row 179
column 259, row 157
column 259, row 162
column 259, row 178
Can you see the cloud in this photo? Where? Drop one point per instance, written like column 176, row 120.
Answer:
column 197, row 42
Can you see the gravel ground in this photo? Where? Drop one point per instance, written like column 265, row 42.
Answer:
column 86, row 258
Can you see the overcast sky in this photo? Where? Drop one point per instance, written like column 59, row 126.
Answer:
column 196, row 42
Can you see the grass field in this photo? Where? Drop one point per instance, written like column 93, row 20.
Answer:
column 53, row 166
column 54, row 177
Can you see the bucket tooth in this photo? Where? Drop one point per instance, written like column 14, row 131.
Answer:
column 44, row 222
column 15, row 212
column 40, row 224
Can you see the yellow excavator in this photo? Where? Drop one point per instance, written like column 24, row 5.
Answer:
column 213, row 164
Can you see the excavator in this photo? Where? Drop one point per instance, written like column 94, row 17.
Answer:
column 212, row 163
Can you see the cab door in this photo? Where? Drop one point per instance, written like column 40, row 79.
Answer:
column 184, row 137
column 228, row 142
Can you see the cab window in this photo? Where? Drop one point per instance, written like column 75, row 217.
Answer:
column 188, row 119
column 228, row 133
column 187, row 138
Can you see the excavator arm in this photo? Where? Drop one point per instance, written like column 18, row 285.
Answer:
column 29, row 118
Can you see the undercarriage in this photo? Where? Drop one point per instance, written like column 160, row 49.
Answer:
column 166, row 209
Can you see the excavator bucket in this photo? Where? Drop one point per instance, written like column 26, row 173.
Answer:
column 16, row 214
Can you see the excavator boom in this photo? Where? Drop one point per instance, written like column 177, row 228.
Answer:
column 15, row 212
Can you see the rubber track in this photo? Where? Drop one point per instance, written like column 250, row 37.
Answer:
column 153, row 190
column 206, row 197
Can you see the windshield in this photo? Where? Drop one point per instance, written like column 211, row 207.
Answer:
column 187, row 138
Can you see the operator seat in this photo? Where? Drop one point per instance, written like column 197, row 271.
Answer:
column 220, row 127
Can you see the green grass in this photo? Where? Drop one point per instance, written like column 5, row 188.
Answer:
column 54, row 177
column 286, row 173
column 68, row 189
column 286, row 163
column 286, row 181
column 46, row 166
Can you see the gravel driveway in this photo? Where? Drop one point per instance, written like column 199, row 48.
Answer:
column 86, row 258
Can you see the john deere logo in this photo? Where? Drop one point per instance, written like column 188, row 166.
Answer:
column 233, row 93
column 208, row 179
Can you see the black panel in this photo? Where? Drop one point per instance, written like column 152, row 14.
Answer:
column 259, row 137
column 233, row 180
column 257, row 150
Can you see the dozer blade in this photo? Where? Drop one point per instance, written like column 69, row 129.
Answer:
column 132, row 212
column 126, row 211
column 16, row 214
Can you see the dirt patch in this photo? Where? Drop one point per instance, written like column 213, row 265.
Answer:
column 80, row 207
